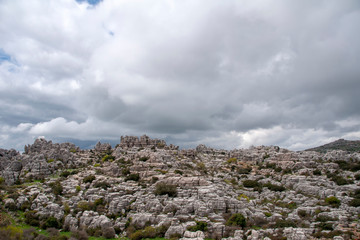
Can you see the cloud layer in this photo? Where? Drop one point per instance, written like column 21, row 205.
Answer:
column 227, row 74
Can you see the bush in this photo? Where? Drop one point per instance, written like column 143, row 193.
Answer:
column 108, row 232
column 133, row 177
column 89, row 179
column 251, row 183
column 99, row 201
column 108, row 158
column 32, row 218
column 148, row 232
column 163, row 189
column 236, row 219
column 65, row 174
column 284, row 224
column 125, row 171
column 317, row 172
column 143, row 159
column 323, row 218
column 356, row 193
column 350, row 166
column 244, row 170
column 355, row 202
column 103, row 184
column 339, row 180
column 325, row 226
column 56, row 188
column 287, row 171
column 302, row 213
column 231, row 160
column 275, row 188
column 357, row 177
column 51, row 222
column 2, row 180
column 333, row 201
column 85, row 206
column 80, row 235
column 177, row 171
column 200, row 226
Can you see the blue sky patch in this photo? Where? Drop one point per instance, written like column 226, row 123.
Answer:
column 4, row 56
column 92, row 2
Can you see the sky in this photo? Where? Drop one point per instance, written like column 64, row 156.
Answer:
column 227, row 74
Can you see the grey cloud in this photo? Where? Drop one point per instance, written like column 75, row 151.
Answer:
column 227, row 74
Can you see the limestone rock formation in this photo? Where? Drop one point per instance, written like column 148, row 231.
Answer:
column 144, row 186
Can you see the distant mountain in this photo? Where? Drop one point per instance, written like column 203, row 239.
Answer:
column 341, row 144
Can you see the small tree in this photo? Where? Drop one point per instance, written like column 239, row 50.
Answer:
column 164, row 188
column 333, row 201
column 236, row 219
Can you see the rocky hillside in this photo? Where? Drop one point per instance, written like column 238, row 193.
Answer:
column 341, row 144
column 144, row 188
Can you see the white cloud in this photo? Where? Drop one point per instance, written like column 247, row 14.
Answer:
column 227, row 74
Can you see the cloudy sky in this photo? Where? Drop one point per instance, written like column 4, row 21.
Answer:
column 229, row 74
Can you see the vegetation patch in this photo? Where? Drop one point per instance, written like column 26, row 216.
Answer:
column 165, row 189
column 236, row 219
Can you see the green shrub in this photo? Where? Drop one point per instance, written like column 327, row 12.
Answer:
column 251, row 183
column 244, row 170
column 268, row 214
column 108, row 158
column 270, row 165
column 32, row 218
column 339, row 180
column 333, row 201
column 103, row 184
column 177, row 171
column 275, row 188
column 231, row 160
column 2, row 180
column 355, row 202
column 73, row 150
column 78, row 188
column 357, row 177
column 323, row 218
column 56, row 188
column 200, row 226
column 287, row 171
column 133, row 177
column 163, row 189
column 148, row 232
column 325, row 226
column 284, row 224
column 302, row 213
column 143, row 159
column 236, row 219
column 89, row 179
column 50, row 222
column 99, row 201
column 65, row 174
column 349, row 166
column 50, row 160
column 84, row 206
column 125, row 171
column 356, row 193
column 317, row 172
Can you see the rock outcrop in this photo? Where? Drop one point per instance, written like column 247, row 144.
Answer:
column 144, row 186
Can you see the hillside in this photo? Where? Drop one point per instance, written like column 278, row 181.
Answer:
column 341, row 144
column 144, row 188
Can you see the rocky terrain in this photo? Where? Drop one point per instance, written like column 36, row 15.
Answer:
column 144, row 188
column 341, row 144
